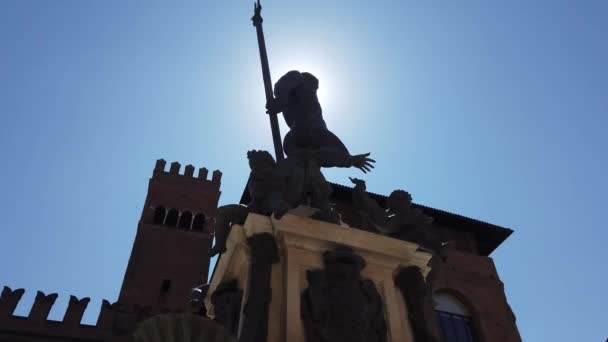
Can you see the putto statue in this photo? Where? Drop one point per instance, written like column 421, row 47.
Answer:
column 399, row 219
column 275, row 188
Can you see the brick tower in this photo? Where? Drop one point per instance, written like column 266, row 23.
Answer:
column 175, row 232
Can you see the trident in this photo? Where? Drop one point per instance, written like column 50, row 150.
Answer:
column 274, row 123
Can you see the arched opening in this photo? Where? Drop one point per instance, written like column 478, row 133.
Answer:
column 159, row 215
column 172, row 217
column 199, row 222
column 454, row 319
column 185, row 220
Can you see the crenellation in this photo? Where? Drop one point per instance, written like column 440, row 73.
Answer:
column 160, row 165
column 216, row 177
column 189, row 171
column 9, row 300
column 202, row 173
column 113, row 318
column 75, row 310
column 107, row 314
column 174, row 169
column 42, row 306
column 119, row 318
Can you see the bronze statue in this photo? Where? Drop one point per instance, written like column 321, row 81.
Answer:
column 278, row 185
column 296, row 97
column 226, row 216
column 275, row 188
column 399, row 219
column 309, row 145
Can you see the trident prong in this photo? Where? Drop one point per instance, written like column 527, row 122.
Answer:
column 274, row 123
column 257, row 13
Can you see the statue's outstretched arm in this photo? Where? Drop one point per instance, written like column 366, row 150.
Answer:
column 333, row 153
column 333, row 157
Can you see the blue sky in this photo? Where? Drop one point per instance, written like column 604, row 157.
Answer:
column 493, row 110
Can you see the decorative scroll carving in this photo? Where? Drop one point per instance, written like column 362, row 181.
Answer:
column 417, row 296
column 264, row 253
column 339, row 305
column 226, row 301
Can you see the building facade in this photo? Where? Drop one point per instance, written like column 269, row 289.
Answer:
column 459, row 297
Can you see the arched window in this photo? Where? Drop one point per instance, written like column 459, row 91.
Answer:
column 454, row 319
column 172, row 216
column 159, row 215
column 185, row 220
column 199, row 222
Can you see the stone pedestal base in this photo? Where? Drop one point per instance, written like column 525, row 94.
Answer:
column 301, row 243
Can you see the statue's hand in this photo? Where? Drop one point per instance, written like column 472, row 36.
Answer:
column 274, row 106
column 362, row 162
column 359, row 183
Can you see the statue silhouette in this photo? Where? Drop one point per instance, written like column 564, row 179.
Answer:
column 308, row 136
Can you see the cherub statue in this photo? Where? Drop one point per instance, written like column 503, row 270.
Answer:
column 267, row 184
column 267, row 188
column 296, row 96
column 399, row 219
column 275, row 188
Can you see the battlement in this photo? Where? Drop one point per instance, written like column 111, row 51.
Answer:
column 174, row 170
column 114, row 318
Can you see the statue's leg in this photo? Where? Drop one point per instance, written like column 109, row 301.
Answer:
column 289, row 143
column 222, row 229
column 278, row 204
column 227, row 215
column 332, row 152
column 321, row 191
column 329, row 139
column 293, row 175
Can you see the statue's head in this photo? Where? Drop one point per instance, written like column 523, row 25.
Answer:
column 399, row 201
column 298, row 89
column 260, row 160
